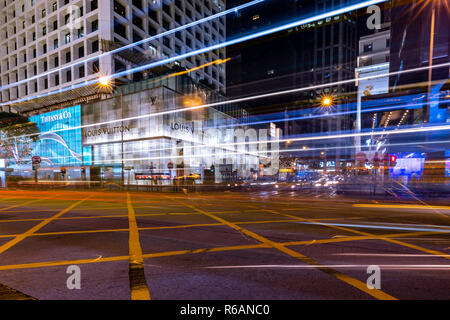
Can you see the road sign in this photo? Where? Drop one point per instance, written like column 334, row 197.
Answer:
column 36, row 160
column 170, row 165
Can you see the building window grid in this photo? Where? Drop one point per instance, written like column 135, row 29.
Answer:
column 174, row 9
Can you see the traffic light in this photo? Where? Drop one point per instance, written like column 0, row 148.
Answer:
column 63, row 171
column 83, row 169
column 392, row 160
column 212, row 169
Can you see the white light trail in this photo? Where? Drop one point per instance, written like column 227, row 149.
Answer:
column 215, row 47
column 215, row 104
column 336, row 266
column 134, row 44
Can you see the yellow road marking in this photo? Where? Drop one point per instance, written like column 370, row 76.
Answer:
column 356, row 238
column 401, row 206
column 148, row 228
column 24, row 203
column 196, row 251
column 376, row 293
column 31, row 231
column 138, row 285
column 379, row 237
column 116, row 216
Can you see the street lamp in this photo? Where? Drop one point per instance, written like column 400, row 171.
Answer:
column 327, row 101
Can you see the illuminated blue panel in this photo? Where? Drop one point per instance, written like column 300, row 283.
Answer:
column 87, row 155
column 63, row 148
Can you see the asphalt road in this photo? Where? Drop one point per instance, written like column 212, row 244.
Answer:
column 230, row 245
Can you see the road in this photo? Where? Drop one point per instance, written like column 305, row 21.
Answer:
column 224, row 245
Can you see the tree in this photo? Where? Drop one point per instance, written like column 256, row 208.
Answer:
column 17, row 136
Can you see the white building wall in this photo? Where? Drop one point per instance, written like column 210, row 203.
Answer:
column 32, row 48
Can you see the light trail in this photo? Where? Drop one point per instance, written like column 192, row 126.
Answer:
column 335, row 266
column 211, row 48
column 264, row 154
column 215, row 104
column 135, row 44
column 368, row 226
column 325, row 115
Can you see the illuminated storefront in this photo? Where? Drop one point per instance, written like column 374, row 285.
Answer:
column 58, row 144
column 145, row 138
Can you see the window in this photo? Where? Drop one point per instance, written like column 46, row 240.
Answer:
column 43, row 13
column 137, row 4
column 80, row 52
column 120, row 29
column 94, row 25
column 138, row 22
column 55, row 44
column 368, row 47
column 54, row 6
column 153, row 14
column 95, row 67
column 81, row 73
column 67, row 38
column 119, row 9
column 95, row 46
column 94, row 5
column 68, row 57
column 69, row 76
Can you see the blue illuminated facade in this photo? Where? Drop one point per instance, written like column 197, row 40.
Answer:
column 59, row 148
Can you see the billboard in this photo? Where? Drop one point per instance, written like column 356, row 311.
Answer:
column 59, row 141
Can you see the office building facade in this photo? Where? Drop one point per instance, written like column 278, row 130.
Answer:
column 49, row 45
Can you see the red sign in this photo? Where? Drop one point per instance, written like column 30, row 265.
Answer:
column 170, row 165
column 36, row 160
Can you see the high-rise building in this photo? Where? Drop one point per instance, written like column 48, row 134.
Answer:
column 420, row 31
column 372, row 74
column 420, row 38
column 44, row 44
column 319, row 52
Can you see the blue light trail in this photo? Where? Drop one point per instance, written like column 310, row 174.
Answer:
column 213, row 47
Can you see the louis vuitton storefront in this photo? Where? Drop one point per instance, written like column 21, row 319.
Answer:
column 148, row 137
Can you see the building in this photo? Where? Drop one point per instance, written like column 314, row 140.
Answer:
column 38, row 36
column 316, row 53
column 372, row 74
column 420, row 38
column 142, row 135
